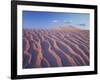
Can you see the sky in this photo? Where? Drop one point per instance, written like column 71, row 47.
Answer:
column 41, row 20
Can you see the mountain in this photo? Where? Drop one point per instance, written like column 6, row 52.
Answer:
column 64, row 28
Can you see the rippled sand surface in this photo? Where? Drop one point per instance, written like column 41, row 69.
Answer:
column 55, row 47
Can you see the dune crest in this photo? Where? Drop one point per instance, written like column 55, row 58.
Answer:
column 58, row 47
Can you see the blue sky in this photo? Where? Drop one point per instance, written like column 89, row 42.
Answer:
column 34, row 19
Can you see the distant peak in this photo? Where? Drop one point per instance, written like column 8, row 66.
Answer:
column 70, row 27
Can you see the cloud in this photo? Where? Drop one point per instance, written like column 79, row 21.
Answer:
column 82, row 24
column 70, row 21
column 55, row 21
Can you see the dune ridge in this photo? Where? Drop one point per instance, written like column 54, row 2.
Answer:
column 55, row 47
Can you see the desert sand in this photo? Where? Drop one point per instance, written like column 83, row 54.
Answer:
column 58, row 47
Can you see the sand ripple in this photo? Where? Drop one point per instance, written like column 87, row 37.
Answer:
column 55, row 48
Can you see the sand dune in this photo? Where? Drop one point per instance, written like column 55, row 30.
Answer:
column 66, row 46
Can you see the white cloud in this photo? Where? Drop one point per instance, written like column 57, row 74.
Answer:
column 70, row 21
column 55, row 21
column 65, row 21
